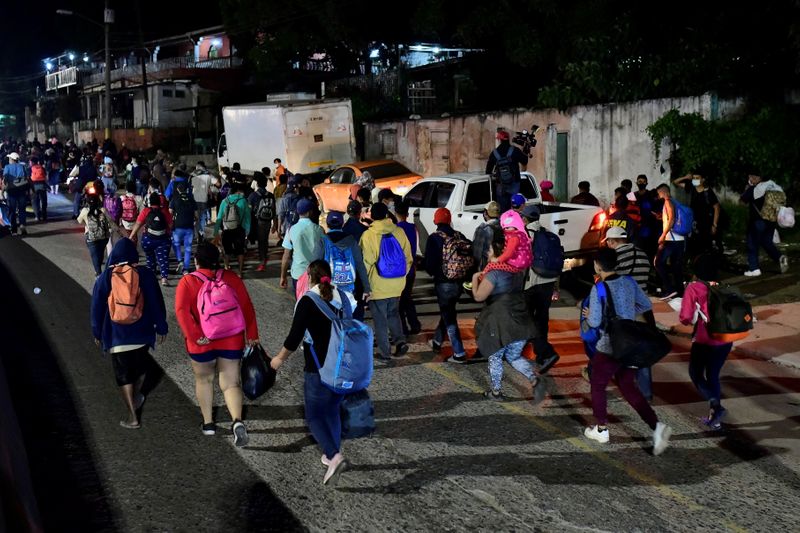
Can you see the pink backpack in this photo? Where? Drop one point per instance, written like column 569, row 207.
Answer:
column 220, row 313
column 129, row 208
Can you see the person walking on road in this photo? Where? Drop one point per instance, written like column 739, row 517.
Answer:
column 707, row 211
column 127, row 313
column 408, row 309
column 387, row 256
column 16, row 185
column 265, row 216
column 344, row 257
column 707, row 355
column 447, row 290
column 233, row 218
column 39, row 184
column 322, row 405
column 629, row 300
column 302, row 245
column 760, row 232
column 156, row 221
column 97, row 230
column 671, row 247
column 504, row 326
column 485, row 233
column 201, row 182
column 213, row 344
column 184, row 212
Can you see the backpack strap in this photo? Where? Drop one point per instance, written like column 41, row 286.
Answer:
column 323, row 306
column 497, row 156
column 611, row 311
column 510, row 152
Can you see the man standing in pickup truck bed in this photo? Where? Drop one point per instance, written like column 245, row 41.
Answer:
column 504, row 164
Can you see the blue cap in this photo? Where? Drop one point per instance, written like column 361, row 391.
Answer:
column 518, row 200
column 304, row 206
column 335, row 220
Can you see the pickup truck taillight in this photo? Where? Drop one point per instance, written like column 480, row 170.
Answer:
column 599, row 221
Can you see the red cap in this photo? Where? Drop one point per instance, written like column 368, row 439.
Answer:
column 442, row 216
column 503, row 136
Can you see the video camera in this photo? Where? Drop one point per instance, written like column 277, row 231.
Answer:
column 526, row 139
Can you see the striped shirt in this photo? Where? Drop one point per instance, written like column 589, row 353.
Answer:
column 633, row 262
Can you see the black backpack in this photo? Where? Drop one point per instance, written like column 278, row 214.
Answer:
column 184, row 214
column 504, row 166
column 156, row 223
column 730, row 316
column 290, row 216
column 548, row 254
column 266, row 207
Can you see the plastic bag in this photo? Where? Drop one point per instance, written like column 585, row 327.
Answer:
column 257, row 374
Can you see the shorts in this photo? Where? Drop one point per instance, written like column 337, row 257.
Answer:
column 207, row 357
column 233, row 241
column 130, row 366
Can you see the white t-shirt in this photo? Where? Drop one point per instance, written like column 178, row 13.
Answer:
column 200, row 186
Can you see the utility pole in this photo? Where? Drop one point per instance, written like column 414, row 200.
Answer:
column 144, row 65
column 108, row 19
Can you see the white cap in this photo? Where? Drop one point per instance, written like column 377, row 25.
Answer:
column 616, row 232
column 14, row 156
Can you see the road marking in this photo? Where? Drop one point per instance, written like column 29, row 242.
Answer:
column 584, row 446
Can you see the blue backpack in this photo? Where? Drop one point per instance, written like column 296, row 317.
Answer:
column 391, row 259
column 342, row 262
column 348, row 363
column 548, row 254
column 684, row 219
column 590, row 335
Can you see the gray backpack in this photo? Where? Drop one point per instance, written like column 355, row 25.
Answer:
column 232, row 218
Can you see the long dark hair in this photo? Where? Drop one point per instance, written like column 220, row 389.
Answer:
column 319, row 273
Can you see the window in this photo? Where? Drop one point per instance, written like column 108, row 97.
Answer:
column 343, row 175
column 387, row 170
column 166, row 93
column 442, row 194
column 417, row 196
column 526, row 189
column 180, row 94
column 478, row 194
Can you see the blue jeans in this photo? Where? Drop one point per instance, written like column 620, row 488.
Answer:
column 17, row 201
column 671, row 275
column 447, row 294
column 705, row 364
column 97, row 250
column 760, row 234
column 503, row 194
column 40, row 200
column 644, row 380
column 322, row 414
column 386, row 315
column 408, row 309
column 513, row 354
column 183, row 236
column 203, row 216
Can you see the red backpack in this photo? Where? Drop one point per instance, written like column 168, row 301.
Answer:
column 37, row 173
column 130, row 210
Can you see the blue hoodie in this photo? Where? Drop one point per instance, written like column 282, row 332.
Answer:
column 154, row 316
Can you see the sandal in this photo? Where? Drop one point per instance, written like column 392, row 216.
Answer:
column 128, row 425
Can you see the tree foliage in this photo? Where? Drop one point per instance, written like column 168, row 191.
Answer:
column 761, row 140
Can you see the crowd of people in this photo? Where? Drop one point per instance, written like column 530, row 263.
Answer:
column 368, row 257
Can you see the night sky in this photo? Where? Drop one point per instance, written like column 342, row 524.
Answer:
column 33, row 31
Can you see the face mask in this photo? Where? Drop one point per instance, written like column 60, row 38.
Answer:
column 391, row 206
column 696, row 183
column 642, row 186
column 535, row 225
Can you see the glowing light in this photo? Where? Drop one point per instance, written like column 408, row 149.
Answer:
column 48, row 65
column 71, row 56
column 217, row 43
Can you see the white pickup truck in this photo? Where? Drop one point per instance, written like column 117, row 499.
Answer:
column 466, row 194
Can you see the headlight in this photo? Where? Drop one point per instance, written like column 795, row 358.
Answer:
column 401, row 190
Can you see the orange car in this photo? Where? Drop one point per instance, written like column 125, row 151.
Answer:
column 334, row 192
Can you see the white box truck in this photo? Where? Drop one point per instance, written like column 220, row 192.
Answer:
column 308, row 136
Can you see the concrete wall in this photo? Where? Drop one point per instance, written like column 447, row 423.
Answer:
column 140, row 138
column 606, row 143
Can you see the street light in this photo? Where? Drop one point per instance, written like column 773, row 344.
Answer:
column 71, row 56
column 108, row 20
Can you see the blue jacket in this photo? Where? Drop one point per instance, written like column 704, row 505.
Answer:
column 154, row 316
column 171, row 186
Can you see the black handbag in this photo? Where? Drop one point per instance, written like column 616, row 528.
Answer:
column 257, row 374
column 634, row 344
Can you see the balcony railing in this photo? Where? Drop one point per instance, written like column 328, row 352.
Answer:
column 98, row 77
column 116, row 123
column 61, row 78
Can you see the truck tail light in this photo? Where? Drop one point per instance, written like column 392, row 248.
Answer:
column 599, row 221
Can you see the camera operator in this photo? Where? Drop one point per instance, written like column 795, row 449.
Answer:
column 504, row 164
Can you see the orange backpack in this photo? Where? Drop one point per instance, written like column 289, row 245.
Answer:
column 125, row 302
column 37, row 173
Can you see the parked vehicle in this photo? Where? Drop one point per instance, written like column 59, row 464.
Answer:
column 466, row 194
column 333, row 194
column 308, row 136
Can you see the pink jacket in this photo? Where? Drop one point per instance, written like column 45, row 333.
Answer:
column 697, row 293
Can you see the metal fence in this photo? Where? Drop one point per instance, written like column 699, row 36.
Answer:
column 161, row 66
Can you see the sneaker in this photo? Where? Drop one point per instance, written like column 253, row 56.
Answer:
column 261, row 268
column 459, row 359
column 209, row 429
column 179, row 268
column 401, row 349
column 164, row 282
column 436, row 347
column 325, row 461
column 661, row 437
column 539, row 390
column 129, row 425
column 752, row 273
column 715, row 420
column 548, row 363
column 669, row 296
column 337, row 465
column 23, row 230
column 240, row 437
column 595, row 434
column 494, row 395
column 585, row 374
column 784, row 262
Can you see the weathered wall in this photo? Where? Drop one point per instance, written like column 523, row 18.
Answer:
column 606, row 143
column 139, row 139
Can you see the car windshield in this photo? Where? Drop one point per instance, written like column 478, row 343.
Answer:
column 387, row 170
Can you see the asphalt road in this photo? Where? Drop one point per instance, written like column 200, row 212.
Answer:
column 443, row 459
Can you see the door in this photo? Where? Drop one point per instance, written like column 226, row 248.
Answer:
column 562, row 168
column 440, row 152
column 334, row 193
column 423, row 201
column 477, row 196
